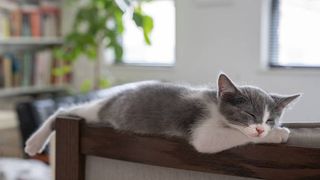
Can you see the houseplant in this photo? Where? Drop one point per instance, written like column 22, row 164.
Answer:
column 99, row 22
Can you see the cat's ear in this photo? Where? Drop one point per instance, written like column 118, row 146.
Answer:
column 284, row 101
column 225, row 85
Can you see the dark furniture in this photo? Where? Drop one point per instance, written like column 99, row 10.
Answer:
column 75, row 140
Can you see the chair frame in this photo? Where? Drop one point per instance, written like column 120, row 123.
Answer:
column 75, row 140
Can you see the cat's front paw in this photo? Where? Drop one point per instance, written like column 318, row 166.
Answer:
column 280, row 135
column 285, row 133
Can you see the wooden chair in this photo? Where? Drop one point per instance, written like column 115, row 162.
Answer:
column 75, row 140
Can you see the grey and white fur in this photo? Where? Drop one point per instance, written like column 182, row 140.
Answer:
column 211, row 120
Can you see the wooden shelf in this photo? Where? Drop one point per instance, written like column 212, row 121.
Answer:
column 31, row 41
column 8, row 5
column 19, row 91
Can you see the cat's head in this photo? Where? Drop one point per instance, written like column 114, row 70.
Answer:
column 250, row 109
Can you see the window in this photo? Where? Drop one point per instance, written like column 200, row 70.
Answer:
column 162, row 50
column 295, row 33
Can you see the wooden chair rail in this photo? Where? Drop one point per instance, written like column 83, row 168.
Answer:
column 75, row 140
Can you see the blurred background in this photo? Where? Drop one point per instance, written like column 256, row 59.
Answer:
column 56, row 53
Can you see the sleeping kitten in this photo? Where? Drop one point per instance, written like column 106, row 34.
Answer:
column 212, row 121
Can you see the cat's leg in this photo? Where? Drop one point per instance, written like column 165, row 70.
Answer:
column 37, row 142
column 218, row 139
column 276, row 135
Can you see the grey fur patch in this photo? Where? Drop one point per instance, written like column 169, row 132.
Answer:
column 159, row 108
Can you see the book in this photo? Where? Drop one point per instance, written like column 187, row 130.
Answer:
column 4, row 25
column 35, row 19
column 50, row 19
column 26, row 28
column 7, row 71
column 1, row 72
column 16, row 25
column 42, row 72
column 15, row 70
column 49, row 26
column 26, row 69
column 33, row 14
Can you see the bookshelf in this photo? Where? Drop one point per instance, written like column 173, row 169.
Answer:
column 29, row 30
column 4, row 93
column 43, row 41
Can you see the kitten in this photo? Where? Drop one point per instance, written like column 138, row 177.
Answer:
column 212, row 121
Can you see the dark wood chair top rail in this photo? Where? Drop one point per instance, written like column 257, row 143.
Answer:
column 75, row 140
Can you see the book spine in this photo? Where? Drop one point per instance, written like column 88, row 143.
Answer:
column 27, row 70
column 16, row 69
column 7, row 64
column 51, row 20
column 43, row 60
column 4, row 25
column 26, row 28
column 1, row 72
column 49, row 67
column 16, row 26
column 35, row 18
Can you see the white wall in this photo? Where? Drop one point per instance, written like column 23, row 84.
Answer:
column 103, row 168
column 229, row 36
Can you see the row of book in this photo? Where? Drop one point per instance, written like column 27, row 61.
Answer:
column 29, row 20
column 25, row 69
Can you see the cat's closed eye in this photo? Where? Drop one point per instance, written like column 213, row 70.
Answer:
column 270, row 121
column 250, row 114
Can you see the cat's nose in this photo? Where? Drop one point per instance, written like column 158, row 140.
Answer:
column 260, row 130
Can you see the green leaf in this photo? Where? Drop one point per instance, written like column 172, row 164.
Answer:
column 104, row 83
column 147, row 24
column 91, row 52
column 147, row 28
column 146, row 38
column 58, row 53
column 138, row 18
column 61, row 71
column 86, row 86
column 118, row 17
column 58, row 72
column 66, row 69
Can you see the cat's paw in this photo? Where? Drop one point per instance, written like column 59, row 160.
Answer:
column 280, row 135
column 285, row 133
column 33, row 146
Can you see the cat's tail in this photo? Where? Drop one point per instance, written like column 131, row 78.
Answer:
column 38, row 141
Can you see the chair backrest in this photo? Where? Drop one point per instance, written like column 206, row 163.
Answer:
column 75, row 140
